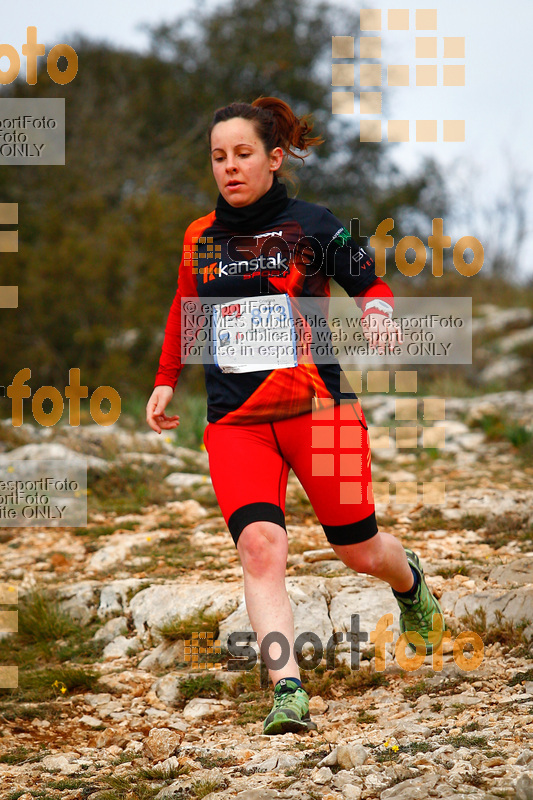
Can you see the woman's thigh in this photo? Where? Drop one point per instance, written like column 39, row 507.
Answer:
column 329, row 452
column 249, row 474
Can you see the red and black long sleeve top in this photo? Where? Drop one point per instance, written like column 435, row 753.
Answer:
column 278, row 246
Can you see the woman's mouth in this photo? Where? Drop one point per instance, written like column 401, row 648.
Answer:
column 233, row 184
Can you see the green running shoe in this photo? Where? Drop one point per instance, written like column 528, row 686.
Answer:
column 417, row 613
column 290, row 712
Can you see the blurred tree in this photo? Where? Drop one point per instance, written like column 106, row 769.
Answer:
column 100, row 238
column 269, row 47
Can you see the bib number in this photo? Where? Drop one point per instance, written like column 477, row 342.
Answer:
column 254, row 333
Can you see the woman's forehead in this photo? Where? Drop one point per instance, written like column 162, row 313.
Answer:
column 234, row 131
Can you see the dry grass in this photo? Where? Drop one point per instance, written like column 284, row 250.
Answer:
column 184, row 627
column 508, row 634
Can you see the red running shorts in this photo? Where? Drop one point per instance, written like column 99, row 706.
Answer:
column 329, row 451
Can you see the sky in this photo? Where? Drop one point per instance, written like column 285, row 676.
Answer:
column 495, row 102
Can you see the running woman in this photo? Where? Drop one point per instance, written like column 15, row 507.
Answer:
column 265, row 418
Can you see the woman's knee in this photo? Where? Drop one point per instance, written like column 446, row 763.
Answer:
column 263, row 548
column 367, row 557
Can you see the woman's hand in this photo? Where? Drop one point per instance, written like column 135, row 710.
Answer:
column 159, row 400
column 379, row 330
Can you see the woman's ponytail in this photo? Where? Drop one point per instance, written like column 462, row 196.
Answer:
column 292, row 131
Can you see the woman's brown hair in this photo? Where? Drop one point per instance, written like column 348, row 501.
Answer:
column 276, row 124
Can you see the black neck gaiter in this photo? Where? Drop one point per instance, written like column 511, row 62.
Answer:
column 256, row 215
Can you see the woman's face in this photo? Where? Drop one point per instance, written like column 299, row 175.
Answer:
column 241, row 167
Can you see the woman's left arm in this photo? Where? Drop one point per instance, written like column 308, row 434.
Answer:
column 377, row 304
column 354, row 269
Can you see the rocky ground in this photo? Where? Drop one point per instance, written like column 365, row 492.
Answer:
column 143, row 722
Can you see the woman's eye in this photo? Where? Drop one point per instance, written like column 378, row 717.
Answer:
column 244, row 155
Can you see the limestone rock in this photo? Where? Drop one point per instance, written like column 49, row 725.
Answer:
column 330, row 760
column 113, row 628
column 351, row 792
column 412, row 789
column 187, row 480
column 60, row 763
column 349, row 756
column 515, row 605
column 276, row 763
column 116, row 550
column 370, row 604
column 408, row 729
column 52, row 451
column 78, row 601
column 167, row 687
column 92, row 722
column 163, row 656
column 514, row 573
column 115, row 596
column 321, row 776
column 317, row 705
column 158, row 604
column 200, row 707
column 161, row 743
column 525, row 757
column 189, row 512
column 524, row 786
column 122, row 646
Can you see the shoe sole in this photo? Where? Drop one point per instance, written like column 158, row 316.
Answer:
column 283, row 724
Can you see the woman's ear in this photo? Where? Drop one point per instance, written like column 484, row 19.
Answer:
column 276, row 158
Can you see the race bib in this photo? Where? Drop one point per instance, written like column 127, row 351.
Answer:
column 254, row 333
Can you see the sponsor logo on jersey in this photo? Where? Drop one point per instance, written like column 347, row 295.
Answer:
column 272, row 265
column 270, row 233
column 341, row 236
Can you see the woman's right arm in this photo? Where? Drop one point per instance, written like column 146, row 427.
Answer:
column 170, row 362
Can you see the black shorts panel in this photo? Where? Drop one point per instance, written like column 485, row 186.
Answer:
column 353, row 533
column 254, row 512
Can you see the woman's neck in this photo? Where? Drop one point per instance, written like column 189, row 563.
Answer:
column 256, row 215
